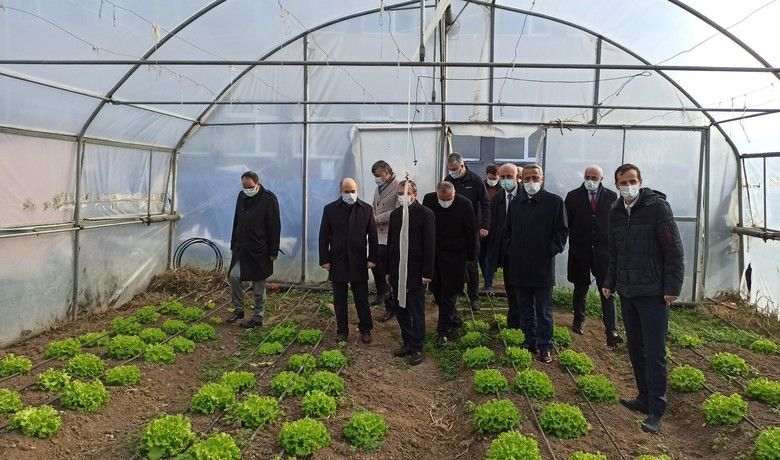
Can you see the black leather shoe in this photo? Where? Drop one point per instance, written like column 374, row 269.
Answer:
column 442, row 340
column 405, row 350
column 545, row 356
column 634, row 405
column 365, row 337
column 652, row 424
column 415, row 358
column 475, row 305
column 252, row 323
column 235, row 317
column 386, row 316
column 577, row 328
column 614, row 339
column 533, row 350
column 342, row 336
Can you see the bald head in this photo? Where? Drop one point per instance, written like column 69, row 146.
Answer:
column 348, row 185
column 507, row 171
column 594, row 173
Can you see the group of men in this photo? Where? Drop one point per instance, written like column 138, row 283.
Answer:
column 628, row 242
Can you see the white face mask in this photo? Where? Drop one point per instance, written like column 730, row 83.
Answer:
column 492, row 182
column 455, row 174
column 591, row 185
column 349, row 198
column 532, row 188
column 629, row 192
column 404, row 200
column 508, row 184
column 379, row 181
column 445, row 204
column 250, row 192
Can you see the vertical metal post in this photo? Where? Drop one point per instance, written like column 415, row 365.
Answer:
column 597, row 82
column 443, row 54
column 422, row 30
column 740, row 205
column 706, row 240
column 697, row 265
column 764, row 187
column 80, row 152
column 491, row 57
column 305, row 158
column 172, row 228
column 623, row 152
column 149, row 190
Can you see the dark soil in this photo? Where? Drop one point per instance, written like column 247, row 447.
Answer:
column 429, row 417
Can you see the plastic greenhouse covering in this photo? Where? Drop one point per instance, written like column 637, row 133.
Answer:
column 125, row 125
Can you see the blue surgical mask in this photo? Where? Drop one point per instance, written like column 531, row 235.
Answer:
column 250, row 192
column 349, row 198
column 508, row 184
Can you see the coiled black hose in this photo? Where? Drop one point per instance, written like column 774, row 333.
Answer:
column 187, row 243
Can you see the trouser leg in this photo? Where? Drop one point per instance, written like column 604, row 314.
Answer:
column 236, row 291
column 544, row 317
column 607, row 311
column 259, row 291
column 578, row 301
column 525, row 300
column 415, row 306
column 635, row 344
column 379, row 271
column 654, row 321
column 514, row 316
column 360, row 294
column 340, row 307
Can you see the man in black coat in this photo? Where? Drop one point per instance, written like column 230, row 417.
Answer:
column 469, row 185
column 254, row 246
column 646, row 267
column 455, row 247
column 492, row 188
column 497, row 240
column 536, row 226
column 420, row 253
column 348, row 249
column 587, row 214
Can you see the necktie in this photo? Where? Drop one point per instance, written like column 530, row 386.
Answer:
column 593, row 201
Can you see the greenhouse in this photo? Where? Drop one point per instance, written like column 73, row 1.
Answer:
column 126, row 126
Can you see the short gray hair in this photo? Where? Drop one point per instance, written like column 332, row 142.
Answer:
column 445, row 187
column 454, row 158
column 533, row 166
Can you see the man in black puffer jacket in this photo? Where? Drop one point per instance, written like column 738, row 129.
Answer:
column 646, row 267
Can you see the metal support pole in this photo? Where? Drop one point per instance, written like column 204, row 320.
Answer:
column 697, row 264
column 80, row 153
column 422, row 31
column 172, row 227
column 706, row 240
column 305, row 198
column 443, row 53
column 764, row 187
column 149, row 189
column 491, row 58
column 597, row 83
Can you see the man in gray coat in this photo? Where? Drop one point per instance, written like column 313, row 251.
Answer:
column 385, row 202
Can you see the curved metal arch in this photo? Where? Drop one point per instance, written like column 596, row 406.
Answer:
column 200, row 118
column 145, row 56
column 704, row 18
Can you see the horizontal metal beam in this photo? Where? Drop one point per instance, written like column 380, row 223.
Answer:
column 454, row 103
column 298, row 63
column 89, row 140
column 757, row 233
column 549, row 125
column 760, row 155
column 86, row 224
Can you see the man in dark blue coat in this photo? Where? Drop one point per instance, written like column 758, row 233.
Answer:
column 536, row 227
column 348, row 249
column 587, row 214
column 455, row 247
column 254, row 245
column 468, row 184
column 420, row 253
column 497, row 240
column 646, row 268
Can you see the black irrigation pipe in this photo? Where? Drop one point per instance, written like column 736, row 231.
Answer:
column 527, row 398
column 108, row 332
column 295, row 307
column 133, row 358
column 177, row 255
